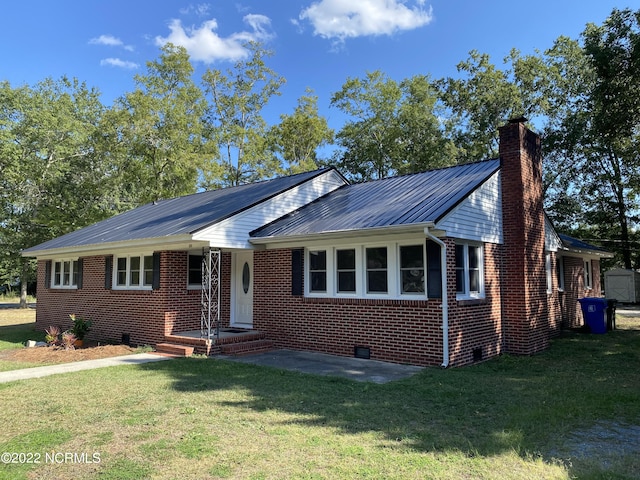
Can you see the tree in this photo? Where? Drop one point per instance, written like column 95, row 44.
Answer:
column 394, row 127
column 51, row 173
column 612, row 137
column 478, row 104
column 556, row 81
column 591, row 107
column 369, row 141
column 296, row 139
column 423, row 140
column 234, row 121
column 157, row 131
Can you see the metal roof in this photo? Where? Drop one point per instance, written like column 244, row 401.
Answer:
column 404, row 200
column 177, row 216
column 573, row 244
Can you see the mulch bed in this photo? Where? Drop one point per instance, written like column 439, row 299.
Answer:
column 60, row 355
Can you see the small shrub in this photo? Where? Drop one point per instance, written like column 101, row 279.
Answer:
column 51, row 335
column 80, row 327
column 68, row 339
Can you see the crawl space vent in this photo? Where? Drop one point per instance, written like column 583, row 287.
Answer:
column 361, row 352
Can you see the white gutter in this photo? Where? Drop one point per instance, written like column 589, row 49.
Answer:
column 445, row 300
column 353, row 233
column 168, row 243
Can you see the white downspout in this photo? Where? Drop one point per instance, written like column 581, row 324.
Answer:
column 445, row 301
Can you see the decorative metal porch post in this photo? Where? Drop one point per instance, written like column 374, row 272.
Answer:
column 210, row 298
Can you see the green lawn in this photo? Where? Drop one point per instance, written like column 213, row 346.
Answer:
column 511, row 417
column 16, row 327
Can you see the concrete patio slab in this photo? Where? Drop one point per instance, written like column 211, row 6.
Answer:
column 358, row 369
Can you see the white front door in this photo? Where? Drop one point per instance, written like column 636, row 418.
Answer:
column 242, row 315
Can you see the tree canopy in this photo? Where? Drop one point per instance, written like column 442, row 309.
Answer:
column 67, row 160
column 393, row 127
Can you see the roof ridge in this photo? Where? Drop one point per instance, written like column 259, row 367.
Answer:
column 458, row 165
column 317, row 171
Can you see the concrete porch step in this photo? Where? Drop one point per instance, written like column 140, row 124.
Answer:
column 245, row 348
column 174, row 349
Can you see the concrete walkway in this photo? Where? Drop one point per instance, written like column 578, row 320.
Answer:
column 307, row 362
column 37, row 372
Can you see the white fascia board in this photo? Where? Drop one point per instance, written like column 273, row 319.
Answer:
column 592, row 254
column 287, row 241
column 175, row 242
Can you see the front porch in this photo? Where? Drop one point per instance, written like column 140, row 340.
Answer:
column 225, row 341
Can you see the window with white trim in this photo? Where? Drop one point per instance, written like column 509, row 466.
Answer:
column 134, row 271
column 318, row 271
column 412, row 269
column 65, row 274
column 377, row 274
column 560, row 272
column 346, row 270
column 587, row 275
column 469, row 271
column 376, row 270
column 548, row 271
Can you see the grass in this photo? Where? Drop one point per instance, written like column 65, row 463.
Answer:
column 16, row 326
column 510, row 417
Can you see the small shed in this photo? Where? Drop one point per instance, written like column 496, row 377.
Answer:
column 623, row 285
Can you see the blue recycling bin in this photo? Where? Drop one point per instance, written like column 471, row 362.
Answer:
column 594, row 311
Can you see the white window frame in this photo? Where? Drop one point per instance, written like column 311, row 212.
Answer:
column 560, row 272
column 69, row 266
column 466, row 294
column 367, row 269
column 308, row 271
column 398, row 267
column 549, row 272
column 128, row 284
column 356, row 270
column 588, row 275
column 394, row 287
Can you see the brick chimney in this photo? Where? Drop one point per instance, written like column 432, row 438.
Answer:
column 525, row 317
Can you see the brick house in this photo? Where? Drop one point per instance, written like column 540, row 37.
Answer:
column 444, row 267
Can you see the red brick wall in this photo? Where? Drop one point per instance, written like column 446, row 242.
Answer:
column 564, row 309
column 525, row 309
column 476, row 324
column 394, row 330
column 146, row 315
column 574, row 289
column 402, row 331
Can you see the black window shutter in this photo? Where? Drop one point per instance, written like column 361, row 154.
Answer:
column 108, row 272
column 434, row 270
column 156, row 271
column 47, row 274
column 297, row 272
column 80, row 268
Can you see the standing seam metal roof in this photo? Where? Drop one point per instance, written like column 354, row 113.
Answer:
column 574, row 243
column 176, row 216
column 408, row 199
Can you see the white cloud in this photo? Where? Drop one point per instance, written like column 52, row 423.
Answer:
column 110, row 41
column 200, row 9
column 116, row 62
column 106, row 40
column 340, row 19
column 205, row 45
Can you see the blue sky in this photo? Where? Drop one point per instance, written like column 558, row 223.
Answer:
column 317, row 43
